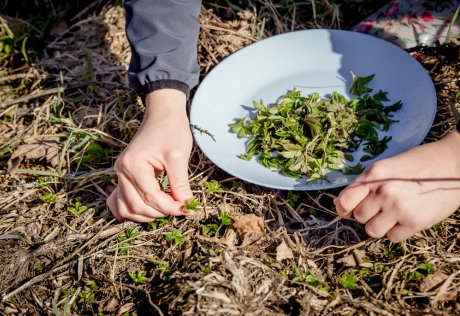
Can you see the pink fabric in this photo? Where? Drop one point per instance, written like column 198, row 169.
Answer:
column 409, row 23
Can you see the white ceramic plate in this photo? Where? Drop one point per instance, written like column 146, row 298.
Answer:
column 310, row 60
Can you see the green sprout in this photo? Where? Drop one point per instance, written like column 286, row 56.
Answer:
column 427, row 267
column 412, row 275
column 85, row 296
column 225, row 219
column 92, row 285
column 44, row 182
column 292, row 198
column 125, row 241
column 214, row 228
column 349, row 280
column 78, row 208
column 309, row 278
column 210, row 229
column 162, row 267
column 66, row 295
column 159, row 222
column 176, row 236
column 213, row 186
column 191, row 205
column 138, row 276
column 49, row 198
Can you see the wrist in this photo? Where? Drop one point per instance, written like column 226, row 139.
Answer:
column 166, row 102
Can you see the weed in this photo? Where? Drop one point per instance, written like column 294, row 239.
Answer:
column 176, row 236
column 380, row 267
column 191, row 205
column 437, row 228
column 369, row 274
column 49, row 198
column 214, row 228
column 162, row 267
column 348, row 280
column 392, row 253
column 126, row 240
column 225, row 219
column 92, row 285
column 39, row 268
column 213, row 186
column 138, row 276
column 132, row 233
column 210, row 229
column 206, row 268
column 67, row 295
column 159, row 222
column 292, row 198
column 96, row 154
column 412, row 275
column 427, row 267
column 422, row 270
column 44, row 182
column 85, row 297
column 307, row 277
column 78, row 208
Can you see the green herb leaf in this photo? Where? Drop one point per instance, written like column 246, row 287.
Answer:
column 358, row 86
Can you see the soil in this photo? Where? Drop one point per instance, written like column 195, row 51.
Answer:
column 66, row 113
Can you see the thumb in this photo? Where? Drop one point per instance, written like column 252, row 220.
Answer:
column 178, row 181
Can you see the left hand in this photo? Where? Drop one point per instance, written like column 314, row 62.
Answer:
column 407, row 193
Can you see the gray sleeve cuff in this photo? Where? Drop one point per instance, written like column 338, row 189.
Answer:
column 163, row 84
column 163, row 35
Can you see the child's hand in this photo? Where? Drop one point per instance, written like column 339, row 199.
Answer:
column 163, row 143
column 390, row 201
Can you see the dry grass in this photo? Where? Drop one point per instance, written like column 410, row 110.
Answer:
column 63, row 253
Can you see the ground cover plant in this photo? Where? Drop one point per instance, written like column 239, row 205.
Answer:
column 66, row 112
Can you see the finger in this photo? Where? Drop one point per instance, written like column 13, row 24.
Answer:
column 367, row 209
column 134, row 201
column 112, row 205
column 178, row 180
column 400, row 233
column 350, row 197
column 125, row 212
column 149, row 189
column 380, row 224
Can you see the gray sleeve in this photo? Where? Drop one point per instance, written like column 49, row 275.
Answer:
column 163, row 35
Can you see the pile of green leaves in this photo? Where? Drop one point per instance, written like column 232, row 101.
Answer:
column 311, row 136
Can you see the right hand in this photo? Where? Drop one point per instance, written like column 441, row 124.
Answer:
column 162, row 143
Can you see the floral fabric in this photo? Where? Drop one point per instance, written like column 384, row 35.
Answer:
column 409, row 23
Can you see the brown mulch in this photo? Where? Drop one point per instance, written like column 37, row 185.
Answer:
column 61, row 252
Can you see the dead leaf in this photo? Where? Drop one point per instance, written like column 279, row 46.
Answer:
column 283, row 252
column 250, row 227
column 447, row 294
column 431, row 281
column 33, row 229
column 229, row 238
column 359, row 255
column 125, row 308
column 110, row 306
column 348, row 261
column 48, row 149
